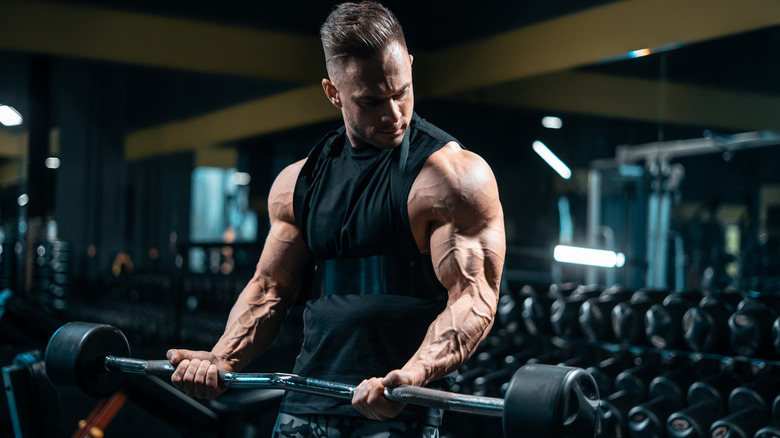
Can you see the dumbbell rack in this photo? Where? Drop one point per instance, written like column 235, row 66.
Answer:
column 511, row 339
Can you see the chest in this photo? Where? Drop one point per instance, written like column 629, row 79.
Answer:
column 355, row 206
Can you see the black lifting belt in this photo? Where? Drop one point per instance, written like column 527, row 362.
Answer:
column 409, row 275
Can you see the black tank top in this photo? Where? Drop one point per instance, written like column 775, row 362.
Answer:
column 374, row 298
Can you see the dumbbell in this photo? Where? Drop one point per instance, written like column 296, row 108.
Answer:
column 666, row 394
column 536, row 308
column 541, row 400
column 756, row 394
column 564, row 310
column 492, row 384
column 595, row 314
column 714, row 389
column 674, row 384
column 605, row 372
column 694, row 421
column 705, row 327
column 776, row 334
column 776, row 409
column 648, row 419
column 509, row 311
column 706, row 404
column 771, row 431
column 663, row 322
column 614, row 413
column 628, row 317
column 750, row 327
column 636, row 380
column 741, row 424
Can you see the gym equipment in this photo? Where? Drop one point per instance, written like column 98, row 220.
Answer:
column 628, row 318
column 636, row 379
column 595, row 314
column 614, row 413
column 706, row 326
column 756, row 394
column 605, row 372
column 564, row 311
column 714, row 389
column 536, row 313
column 750, row 327
column 771, row 431
column 663, row 322
column 741, row 424
column 674, row 384
column 694, row 421
column 649, row 418
column 541, row 401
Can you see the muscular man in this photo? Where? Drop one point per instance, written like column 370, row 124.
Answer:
column 406, row 230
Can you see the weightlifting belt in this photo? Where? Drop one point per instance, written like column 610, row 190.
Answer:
column 409, row 275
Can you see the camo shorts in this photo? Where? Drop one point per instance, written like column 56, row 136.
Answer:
column 331, row 426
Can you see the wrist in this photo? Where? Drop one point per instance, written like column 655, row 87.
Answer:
column 417, row 374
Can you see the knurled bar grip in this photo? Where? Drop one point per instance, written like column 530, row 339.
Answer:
column 432, row 398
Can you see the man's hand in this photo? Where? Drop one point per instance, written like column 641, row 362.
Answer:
column 369, row 397
column 197, row 374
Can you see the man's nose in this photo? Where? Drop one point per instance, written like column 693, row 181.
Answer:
column 392, row 111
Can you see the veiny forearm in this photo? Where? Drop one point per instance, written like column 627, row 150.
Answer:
column 471, row 270
column 453, row 336
column 262, row 306
column 252, row 325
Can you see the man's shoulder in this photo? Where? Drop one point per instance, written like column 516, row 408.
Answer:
column 453, row 161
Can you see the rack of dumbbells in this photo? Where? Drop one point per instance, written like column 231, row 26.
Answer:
column 52, row 274
column 667, row 364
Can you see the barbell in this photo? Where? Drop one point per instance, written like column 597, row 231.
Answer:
column 541, row 400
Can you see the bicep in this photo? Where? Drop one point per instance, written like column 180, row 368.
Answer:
column 285, row 254
column 467, row 239
column 468, row 261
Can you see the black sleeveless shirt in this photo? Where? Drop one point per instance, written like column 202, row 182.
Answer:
column 375, row 295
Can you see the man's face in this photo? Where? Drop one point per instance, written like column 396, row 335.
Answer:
column 375, row 96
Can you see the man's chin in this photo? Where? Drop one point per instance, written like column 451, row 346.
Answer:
column 389, row 141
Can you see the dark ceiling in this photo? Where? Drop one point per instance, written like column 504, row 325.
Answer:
column 429, row 24
column 561, row 56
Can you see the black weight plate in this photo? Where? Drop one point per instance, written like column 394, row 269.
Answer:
column 75, row 358
column 551, row 401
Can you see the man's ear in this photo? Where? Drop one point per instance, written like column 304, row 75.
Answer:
column 332, row 92
column 411, row 59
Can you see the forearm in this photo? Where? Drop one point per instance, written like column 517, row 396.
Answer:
column 454, row 335
column 252, row 325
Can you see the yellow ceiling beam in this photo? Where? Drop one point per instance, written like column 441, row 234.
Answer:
column 12, row 144
column 225, row 157
column 636, row 99
column 287, row 110
column 590, row 37
column 118, row 36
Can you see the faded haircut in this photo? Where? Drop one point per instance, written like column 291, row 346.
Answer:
column 359, row 30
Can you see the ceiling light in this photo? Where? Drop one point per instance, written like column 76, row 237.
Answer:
column 588, row 256
column 9, row 116
column 554, row 162
column 23, row 200
column 551, row 122
column 639, row 53
column 53, row 163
